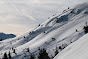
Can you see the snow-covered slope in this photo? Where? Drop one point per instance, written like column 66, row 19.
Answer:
column 77, row 50
column 59, row 30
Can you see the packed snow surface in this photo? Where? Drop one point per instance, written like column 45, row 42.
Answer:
column 77, row 50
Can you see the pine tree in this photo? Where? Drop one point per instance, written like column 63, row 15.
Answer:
column 14, row 51
column 28, row 50
column 9, row 55
column 5, row 56
column 43, row 54
column 85, row 29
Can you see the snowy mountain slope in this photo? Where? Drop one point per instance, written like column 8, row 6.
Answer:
column 58, row 30
column 29, row 13
column 77, row 50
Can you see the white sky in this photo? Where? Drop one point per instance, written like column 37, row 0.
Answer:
column 19, row 16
